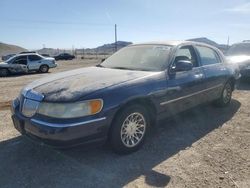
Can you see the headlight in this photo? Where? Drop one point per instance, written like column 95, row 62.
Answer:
column 71, row 110
column 29, row 107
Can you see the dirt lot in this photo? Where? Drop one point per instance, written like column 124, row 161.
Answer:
column 203, row 147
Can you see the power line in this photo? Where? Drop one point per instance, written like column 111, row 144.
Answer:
column 57, row 22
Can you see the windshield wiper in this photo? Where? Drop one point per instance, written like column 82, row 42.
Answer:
column 122, row 68
column 99, row 65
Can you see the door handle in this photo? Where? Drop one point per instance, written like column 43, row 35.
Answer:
column 198, row 75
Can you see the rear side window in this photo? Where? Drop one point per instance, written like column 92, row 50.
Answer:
column 34, row 58
column 208, row 56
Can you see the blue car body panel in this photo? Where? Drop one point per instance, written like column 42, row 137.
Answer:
column 165, row 92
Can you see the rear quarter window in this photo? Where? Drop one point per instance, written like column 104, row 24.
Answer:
column 34, row 58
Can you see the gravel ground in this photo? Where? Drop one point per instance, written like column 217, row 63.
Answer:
column 203, row 147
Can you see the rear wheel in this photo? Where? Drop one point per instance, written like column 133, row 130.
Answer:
column 4, row 72
column 226, row 95
column 44, row 69
column 129, row 129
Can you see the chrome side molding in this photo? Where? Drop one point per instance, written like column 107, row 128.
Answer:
column 190, row 95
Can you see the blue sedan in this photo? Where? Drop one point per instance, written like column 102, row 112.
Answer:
column 121, row 98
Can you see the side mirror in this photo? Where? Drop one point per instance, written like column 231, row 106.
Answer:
column 103, row 60
column 182, row 65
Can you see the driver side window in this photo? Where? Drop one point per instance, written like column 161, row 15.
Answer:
column 186, row 53
column 22, row 60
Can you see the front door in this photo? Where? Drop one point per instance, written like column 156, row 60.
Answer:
column 19, row 65
column 185, row 88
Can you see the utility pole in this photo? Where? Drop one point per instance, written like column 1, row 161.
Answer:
column 115, row 37
column 228, row 40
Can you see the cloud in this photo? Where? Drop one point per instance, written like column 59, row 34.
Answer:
column 243, row 8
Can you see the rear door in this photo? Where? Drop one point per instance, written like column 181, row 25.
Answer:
column 214, row 69
column 185, row 89
column 34, row 62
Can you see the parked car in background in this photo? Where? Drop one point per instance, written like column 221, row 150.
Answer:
column 239, row 54
column 23, row 63
column 64, row 56
column 6, row 57
column 28, row 52
column 45, row 55
column 121, row 98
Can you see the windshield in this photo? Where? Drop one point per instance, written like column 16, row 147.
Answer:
column 10, row 59
column 141, row 57
column 239, row 49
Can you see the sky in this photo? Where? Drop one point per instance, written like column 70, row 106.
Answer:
column 34, row 24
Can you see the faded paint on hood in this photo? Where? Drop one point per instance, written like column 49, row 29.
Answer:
column 238, row 58
column 72, row 85
column 3, row 64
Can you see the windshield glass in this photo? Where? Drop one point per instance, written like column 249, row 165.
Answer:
column 141, row 57
column 10, row 60
column 239, row 49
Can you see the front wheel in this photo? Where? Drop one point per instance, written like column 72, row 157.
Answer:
column 129, row 129
column 226, row 95
column 44, row 69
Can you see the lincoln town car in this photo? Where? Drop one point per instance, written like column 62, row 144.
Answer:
column 122, row 99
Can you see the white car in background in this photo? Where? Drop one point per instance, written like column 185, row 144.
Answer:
column 23, row 63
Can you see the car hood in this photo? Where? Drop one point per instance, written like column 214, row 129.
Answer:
column 49, row 58
column 70, row 86
column 3, row 64
column 238, row 59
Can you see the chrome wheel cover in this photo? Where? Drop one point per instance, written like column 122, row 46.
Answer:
column 227, row 93
column 133, row 129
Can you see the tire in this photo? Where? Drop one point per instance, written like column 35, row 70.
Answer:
column 226, row 95
column 44, row 69
column 4, row 72
column 127, row 135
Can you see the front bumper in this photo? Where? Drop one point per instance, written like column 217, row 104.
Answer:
column 245, row 73
column 60, row 134
column 54, row 65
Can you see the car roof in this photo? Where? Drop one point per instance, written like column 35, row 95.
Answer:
column 28, row 54
column 173, row 43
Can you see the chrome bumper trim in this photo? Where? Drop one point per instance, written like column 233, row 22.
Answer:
column 66, row 124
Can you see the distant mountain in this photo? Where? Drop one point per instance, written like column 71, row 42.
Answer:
column 205, row 40
column 6, row 49
column 104, row 49
column 52, row 51
column 107, row 48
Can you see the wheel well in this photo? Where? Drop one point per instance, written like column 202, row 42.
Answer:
column 150, row 107
column 232, row 82
column 141, row 101
column 44, row 65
